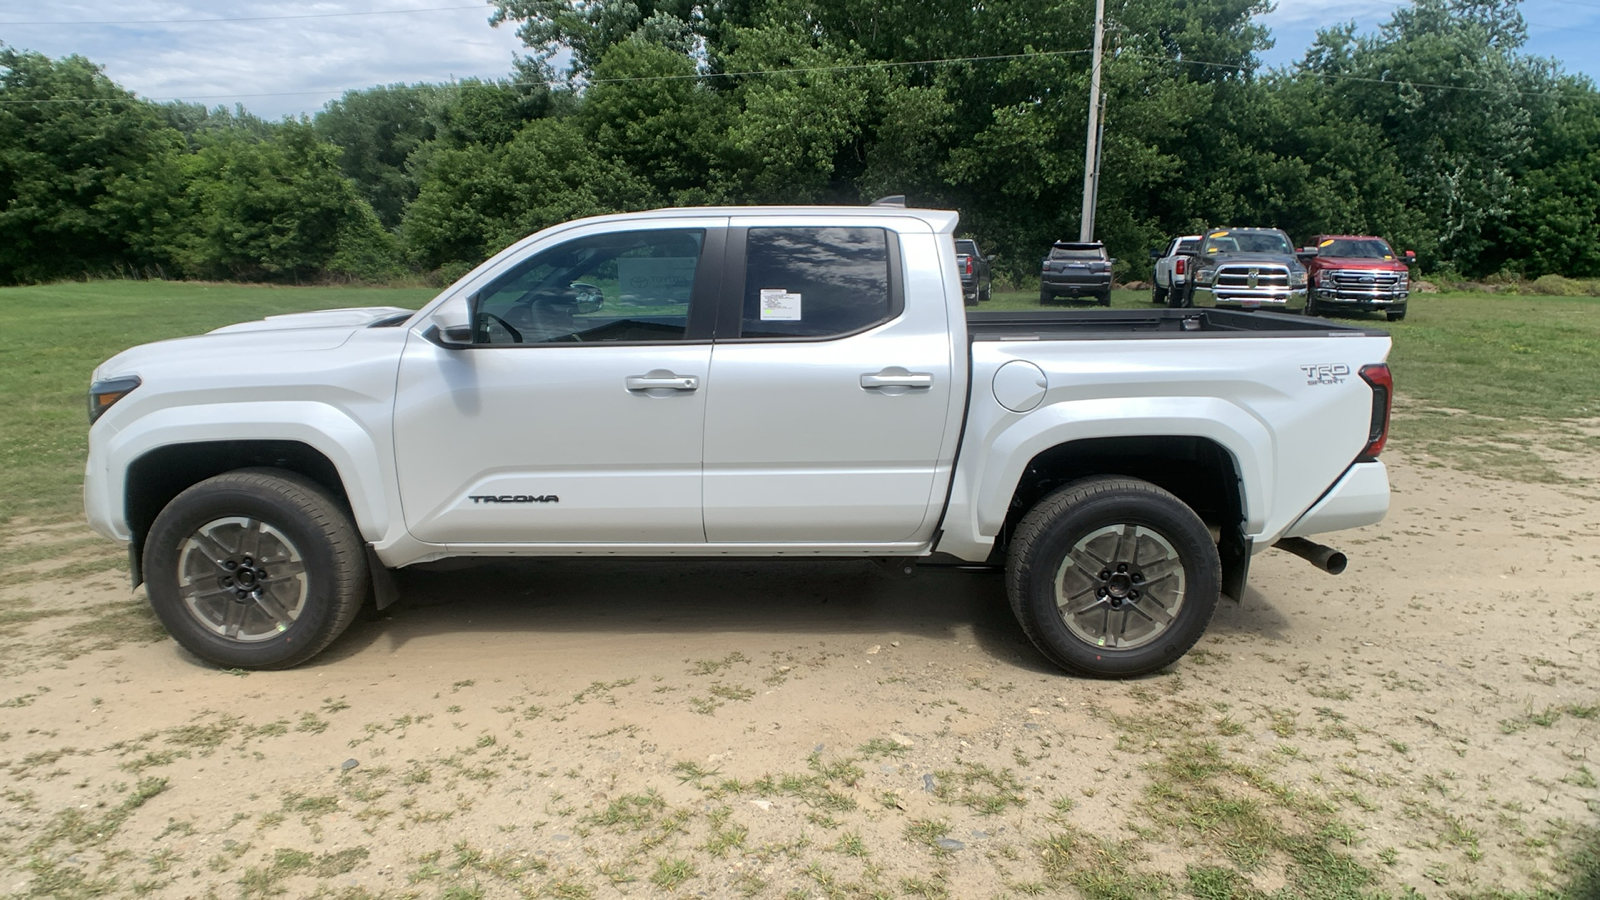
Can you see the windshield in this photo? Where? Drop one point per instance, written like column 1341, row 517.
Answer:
column 970, row 248
column 1186, row 245
column 1356, row 248
column 1248, row 242
column 1077, row 253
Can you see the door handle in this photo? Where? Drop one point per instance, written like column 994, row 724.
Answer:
column 908, row 380
column 667, row 382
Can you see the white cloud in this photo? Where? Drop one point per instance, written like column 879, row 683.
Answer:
column 274, row 67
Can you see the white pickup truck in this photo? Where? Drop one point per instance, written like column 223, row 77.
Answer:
column 737, row 382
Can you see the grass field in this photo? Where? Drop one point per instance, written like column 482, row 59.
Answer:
column 1498, row 383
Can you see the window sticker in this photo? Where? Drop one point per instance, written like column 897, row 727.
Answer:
column 1326, row 242
column 778, row 305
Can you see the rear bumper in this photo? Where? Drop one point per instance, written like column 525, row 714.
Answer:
column 1075, row 286
column 1360, row 497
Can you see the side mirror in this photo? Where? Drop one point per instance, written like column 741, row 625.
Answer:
column 589, row 298
column 450, row 326
column 1155, row 254
column 1306, row 254
column 1411, row 256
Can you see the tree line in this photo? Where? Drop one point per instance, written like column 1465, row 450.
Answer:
column 1437, row 131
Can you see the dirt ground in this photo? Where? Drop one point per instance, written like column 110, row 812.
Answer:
column 618, row 728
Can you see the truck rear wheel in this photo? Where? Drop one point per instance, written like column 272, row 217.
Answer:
column 1158, row 294
column 1113, row 577
column 255, row 569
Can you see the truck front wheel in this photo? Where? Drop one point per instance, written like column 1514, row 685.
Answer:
column 1113, row 577
column 255, row 569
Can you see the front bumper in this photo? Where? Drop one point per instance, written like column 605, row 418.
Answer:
column 1277, row 299
column 1361, row 299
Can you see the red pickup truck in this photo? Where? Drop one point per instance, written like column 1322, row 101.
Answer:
column 1356, row 272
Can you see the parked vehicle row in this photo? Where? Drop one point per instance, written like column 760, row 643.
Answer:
column 1259, row 268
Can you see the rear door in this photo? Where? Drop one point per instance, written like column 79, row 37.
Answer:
column 834, row 399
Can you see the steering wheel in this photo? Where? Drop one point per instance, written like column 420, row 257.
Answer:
column 516, row 336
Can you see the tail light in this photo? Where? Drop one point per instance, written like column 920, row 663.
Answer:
column 1180, row 266
column 1382, row 383
column 969, row 265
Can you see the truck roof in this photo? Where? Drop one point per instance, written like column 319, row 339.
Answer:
column 1346, row 237
column 939, row 220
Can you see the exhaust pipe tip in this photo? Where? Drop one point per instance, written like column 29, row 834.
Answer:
column 1323, row 557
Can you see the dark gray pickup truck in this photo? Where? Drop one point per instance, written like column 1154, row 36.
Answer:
column 1247, row 268
column 977, row 279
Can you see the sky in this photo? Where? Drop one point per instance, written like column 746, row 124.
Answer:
column 289, row 57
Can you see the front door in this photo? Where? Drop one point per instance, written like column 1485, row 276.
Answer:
column 577, row 414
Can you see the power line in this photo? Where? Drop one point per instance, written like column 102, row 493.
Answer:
column 884, row 64
column 846, row 67
column 375, row 12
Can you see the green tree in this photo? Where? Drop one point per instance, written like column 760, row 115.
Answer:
column 67, row 133
column 476, row 199
column 277, row 209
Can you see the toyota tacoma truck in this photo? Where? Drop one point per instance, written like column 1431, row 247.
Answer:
column 1247, row 268
column 737, row 382
column 1356, row 272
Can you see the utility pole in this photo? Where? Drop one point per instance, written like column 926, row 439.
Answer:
column 1091, row 150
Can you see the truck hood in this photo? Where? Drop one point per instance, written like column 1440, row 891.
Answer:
column 345, row 319
column 1265, row 259
column 1360, row 262
column 248, row 345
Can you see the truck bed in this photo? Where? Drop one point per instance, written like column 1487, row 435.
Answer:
column 1095, row 324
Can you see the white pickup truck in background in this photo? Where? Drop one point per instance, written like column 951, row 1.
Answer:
column 1169, row 274
column 736, row 382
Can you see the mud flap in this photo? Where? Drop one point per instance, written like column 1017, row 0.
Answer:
column 384, row 590
column 1235, row 554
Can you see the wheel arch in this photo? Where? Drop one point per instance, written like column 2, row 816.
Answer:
column 1197, row 469
column 167, row 453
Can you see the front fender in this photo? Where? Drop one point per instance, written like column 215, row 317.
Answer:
column 367, row 473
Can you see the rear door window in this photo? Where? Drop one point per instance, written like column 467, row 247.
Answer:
column 817, row 282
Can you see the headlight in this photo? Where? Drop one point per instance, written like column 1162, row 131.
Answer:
column 1325, row 279
column 1204, row 276
column 1297, row 279
column 102, row 394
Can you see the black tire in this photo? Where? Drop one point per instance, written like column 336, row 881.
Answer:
column 1085, row 517
column 1103, row 298
column 1158, row 294
column 1397, row 316
column 1046, row 298
column 987, row 294
column 1179, row 298
column 258, row 520
column 1311, row 305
